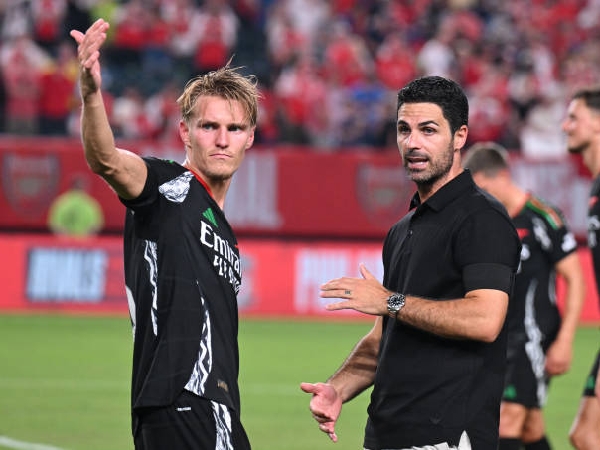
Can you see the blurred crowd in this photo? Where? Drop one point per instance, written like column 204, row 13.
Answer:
column 328, row 70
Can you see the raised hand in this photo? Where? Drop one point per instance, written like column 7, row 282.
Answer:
column 88, row 54
column 365, row 294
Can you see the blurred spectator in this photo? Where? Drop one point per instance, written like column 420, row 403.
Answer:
column 308, row 17
column 58, row 91
column 352, row 129
column 16, row 19
column 347, row 59
column 582, row 66
column 362, row 18
column 589, row 16
column 284, row 42
column 48, row 22
column 251, row 42
column 540, row 138
column 216, row 26
column 437, row 56
column 366, row 110
column 300, row 92
column 130, row 36
column 21, row 64
column 129, row 117
column 163, row 114
column 395, row 61
column 542, row 58
column 250, row 11
column 524, row 87
column 180, row 17
column 488, row 105
column 156, row 60
column 267, row 130
column 467, row 24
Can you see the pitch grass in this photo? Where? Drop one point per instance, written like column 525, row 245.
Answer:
column 64, row 382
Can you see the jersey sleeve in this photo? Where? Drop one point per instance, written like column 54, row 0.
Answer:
column 563, row 243
column 488, row 249
column 150, row 192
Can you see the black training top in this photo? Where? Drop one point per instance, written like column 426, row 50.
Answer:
column 182, row 271
column 594, row 228
column 533, row 315
column 429, row 389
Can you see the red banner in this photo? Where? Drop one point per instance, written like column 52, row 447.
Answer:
column 279, row 191
column 280, row 278
column 35, row 171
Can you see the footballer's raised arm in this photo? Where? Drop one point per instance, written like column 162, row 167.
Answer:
column 124, row 170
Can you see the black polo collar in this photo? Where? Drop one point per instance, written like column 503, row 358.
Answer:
column 447, row 193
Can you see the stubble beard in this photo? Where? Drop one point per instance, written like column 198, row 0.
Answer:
column 218, row 177
column 438, row 170
column 219, row 172
column 574, row 149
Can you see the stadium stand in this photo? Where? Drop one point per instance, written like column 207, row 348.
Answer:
column 328, row 69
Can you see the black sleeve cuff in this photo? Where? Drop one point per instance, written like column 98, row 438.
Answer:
column 488, row 276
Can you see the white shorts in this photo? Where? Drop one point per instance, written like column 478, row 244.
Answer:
column 464, row 444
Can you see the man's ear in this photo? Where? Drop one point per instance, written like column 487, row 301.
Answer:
column 250, row 138
column 184, row 133
column 460, row 137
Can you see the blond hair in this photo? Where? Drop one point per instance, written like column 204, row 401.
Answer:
column 226, row 83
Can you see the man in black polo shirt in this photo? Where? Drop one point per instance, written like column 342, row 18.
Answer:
column 582, row 127
column 182, row 264
column 436, row 353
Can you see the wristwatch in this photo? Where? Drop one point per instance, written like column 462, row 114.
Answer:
column 395, row 303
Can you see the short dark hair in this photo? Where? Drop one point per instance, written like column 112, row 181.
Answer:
column 486, row 157
column 445, row 93
column 590, row 96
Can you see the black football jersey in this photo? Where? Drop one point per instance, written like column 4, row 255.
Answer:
column 182, row 274
column 594, row 228
column 533, row 314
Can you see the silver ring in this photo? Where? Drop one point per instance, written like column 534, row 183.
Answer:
column 347, row 292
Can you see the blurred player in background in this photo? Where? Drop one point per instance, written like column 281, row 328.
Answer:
column 182, row 263
column 540, row 342
column 437, row 351
column 582, row 127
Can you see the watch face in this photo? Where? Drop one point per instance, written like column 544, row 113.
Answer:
column 395, row 302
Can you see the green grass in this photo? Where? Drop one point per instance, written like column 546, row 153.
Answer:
column 64, row 382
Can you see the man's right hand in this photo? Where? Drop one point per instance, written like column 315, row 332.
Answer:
column 325, row 405
column 88, row 54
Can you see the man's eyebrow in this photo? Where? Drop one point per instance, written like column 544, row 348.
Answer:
column 205, row 122
column 420, row 124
